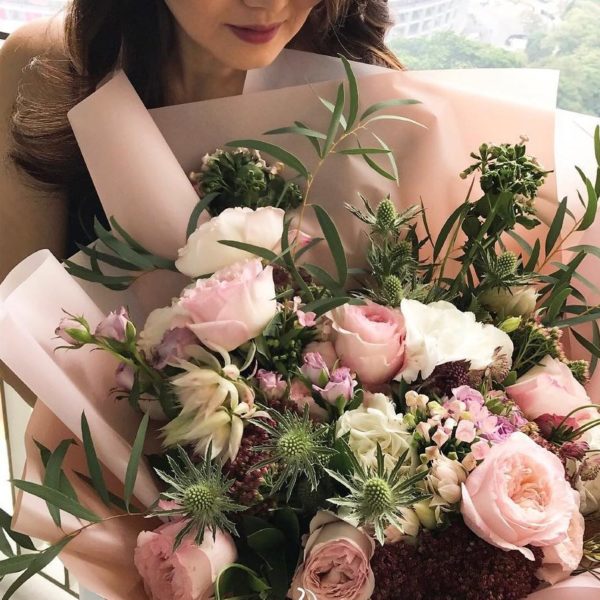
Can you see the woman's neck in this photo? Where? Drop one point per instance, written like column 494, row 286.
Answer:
column 193, row 73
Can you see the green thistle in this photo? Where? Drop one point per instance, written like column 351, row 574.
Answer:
column 386, row 214
column 376, row 495
column 507, row 265
column 392, row 290
column 201, row 492
column 297, row 446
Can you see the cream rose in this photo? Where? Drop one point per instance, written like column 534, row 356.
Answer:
column 513, row 302
column 336, row 562
column 374, row 422
column 518, row 496
column 203, row 254
column 439, row 333
column 369, row 339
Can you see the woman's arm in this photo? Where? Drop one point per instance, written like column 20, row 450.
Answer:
column 30, row 219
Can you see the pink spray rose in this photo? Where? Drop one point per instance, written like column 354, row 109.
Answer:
column 518, row 496
column 114, row 326
column 186, row 574
column 72, row 331
column 233, row 306
column 550, row 388
column 301, row 396
column 369, row 339
column 341, row 384
column 325, row 350
column 315, row 368
column 561, row 559
column 336, row 562
column 271, row 384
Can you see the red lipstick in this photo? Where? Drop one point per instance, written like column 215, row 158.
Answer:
column 256, row 34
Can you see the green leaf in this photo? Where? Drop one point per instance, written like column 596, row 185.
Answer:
column 122, row 249
column 298, row 130
column 391, row 156
column 447, row 228
column 533, row 258
column 289, row 261
column 335, row 120
column 584, row 318
column 555, row 307
column 16, row 564
column 265, row 253
column 134, row 460
column 586, row 249
column 324, row 305
column 53, row 475
column 556, row 227
column 380, row 170
column 387, row 104
column 238, row 579
column 202, row 205
column 324, row 278
column 313, row 141
column 5, row 546
column 89, row 275
column 114, row 499
column 596, row 342
column 266, row 540
column 6, row 524
column 93, row 463
column 57, row 499
column 109, row 259
column 521, row 241
column 133, row 243
column 592, row 203
column 309, row 246
column 331, row 108
column 334, row 242
column 41, row 561
column 275, row 151
column 395, row 118
column 364, row 151
column 587, row 344
column 353, row 93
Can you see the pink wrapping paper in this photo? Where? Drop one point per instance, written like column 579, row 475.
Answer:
column 138, row 160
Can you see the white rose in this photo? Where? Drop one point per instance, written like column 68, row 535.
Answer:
column 160, row 321
column 374, row 422
column 203, row 254
column 510, row 302
column 439, row 333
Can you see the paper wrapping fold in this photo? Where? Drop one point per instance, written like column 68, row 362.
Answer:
column 139, row 167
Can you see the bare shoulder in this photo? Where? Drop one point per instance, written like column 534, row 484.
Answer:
column 41, row 37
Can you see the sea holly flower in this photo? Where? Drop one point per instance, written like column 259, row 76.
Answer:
column 376, row 495
column 201, row 493
column 297, row 445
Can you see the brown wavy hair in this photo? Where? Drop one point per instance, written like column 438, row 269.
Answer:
column 138, row 34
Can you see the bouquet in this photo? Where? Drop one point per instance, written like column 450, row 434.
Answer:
column 313, row 421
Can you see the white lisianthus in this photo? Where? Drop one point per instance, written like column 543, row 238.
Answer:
column 203, row 254
column 375, row 422
column 445, row 479
column 411, row 525
column 519, row 301
column 160, row 321
column 589, row 481
column 439, row 333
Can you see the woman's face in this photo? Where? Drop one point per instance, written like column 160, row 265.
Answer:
column 241, row 34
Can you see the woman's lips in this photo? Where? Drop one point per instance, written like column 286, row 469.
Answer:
column 256, row 34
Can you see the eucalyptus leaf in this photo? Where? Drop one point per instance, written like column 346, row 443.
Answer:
column 22, row 540
column 379, row 106
column 364, row 151
column 5, row 546
column 238, row 579
column 353, row 92
column 331, row 108
column 265, row 253
column 53, row 475
column 314, row 142
column 592, row 203
column 334, row 241
column 202, row 205
column 109, row 259
column 335, row 122
column 93, row 463
column 133, row 243
column 134, row 460
column 380, row 170
column 16, row 564
column 556, row 226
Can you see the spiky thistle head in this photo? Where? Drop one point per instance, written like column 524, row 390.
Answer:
column 200, row 493
column 376, row 496
column 297, row 446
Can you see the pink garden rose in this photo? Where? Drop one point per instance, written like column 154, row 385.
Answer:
column 563, row 558
column 336, row 562
column 233, row 306
column 550, row 388
column 186, row 574
column 369, row 339
column 518, row 496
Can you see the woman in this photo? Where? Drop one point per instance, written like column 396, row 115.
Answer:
column 173, row 51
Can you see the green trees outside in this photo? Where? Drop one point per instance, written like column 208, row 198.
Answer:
column 573, row 47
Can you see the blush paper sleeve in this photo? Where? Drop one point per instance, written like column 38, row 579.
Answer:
column 139, row 161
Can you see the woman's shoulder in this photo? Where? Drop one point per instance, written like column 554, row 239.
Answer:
column 37, row 38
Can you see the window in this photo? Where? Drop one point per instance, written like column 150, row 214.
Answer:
column 553, row 34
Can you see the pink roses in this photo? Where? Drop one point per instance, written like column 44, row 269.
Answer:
column 518, row 496
column 550, row 388
column 369, row 339
column 336, row 562
column 233, row 306
column 189, row 572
